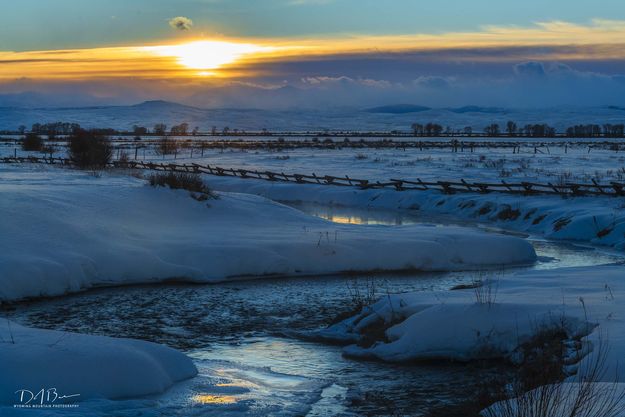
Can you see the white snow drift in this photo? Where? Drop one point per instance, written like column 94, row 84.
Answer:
column 64, row 231
column 585, row 302
column 82, row 367
column 596, row 220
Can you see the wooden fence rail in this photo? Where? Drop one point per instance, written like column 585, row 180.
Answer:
column 525, row 188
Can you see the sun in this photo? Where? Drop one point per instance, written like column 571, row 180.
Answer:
column 208, row 55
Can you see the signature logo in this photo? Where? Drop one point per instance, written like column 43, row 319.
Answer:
column 43, row 398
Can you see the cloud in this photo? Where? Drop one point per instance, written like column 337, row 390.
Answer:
column 181, row 23
column 344, row 81
column 530, row 69
column 434, row 82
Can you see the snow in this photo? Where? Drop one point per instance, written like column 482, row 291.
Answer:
column 220, row 388
column 343, row 118
column 66, row 230
column 557, row 164
column 586, row 302
column 83, row 366
column 596, row 220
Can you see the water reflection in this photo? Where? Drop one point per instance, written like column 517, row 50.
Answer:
column 214, row 399
column 349, row 215
column 551, row 254
column 240, row 335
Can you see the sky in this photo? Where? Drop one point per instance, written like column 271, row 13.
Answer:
column 311, row 53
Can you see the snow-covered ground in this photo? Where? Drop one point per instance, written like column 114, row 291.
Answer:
column 596, row 220
column 585, row 303
column 66, row 230
column 220, row 389
column 571, row 164
column 590, row 219
column 71, row 367
column 344, row 118
column 556, row 164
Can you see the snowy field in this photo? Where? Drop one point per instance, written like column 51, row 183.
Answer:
column 71, row 230
column 348, row 118
column 596, row 220
column 555, row 164
column 68, row 231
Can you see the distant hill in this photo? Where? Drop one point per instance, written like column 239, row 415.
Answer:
column 413, row 108
column 158, row 105
column 478, row 109
column 386, row 118
column 399, row 109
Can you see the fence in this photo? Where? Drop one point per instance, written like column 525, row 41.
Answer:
column 614, row 189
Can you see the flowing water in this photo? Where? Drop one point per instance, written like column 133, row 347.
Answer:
column 243, row 337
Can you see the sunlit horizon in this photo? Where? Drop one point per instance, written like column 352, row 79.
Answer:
column 208, row 54
column 539, row 63
column 199, row 57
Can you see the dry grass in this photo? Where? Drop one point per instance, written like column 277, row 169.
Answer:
column 485, row 288
column 183, row 181
column 585, row 396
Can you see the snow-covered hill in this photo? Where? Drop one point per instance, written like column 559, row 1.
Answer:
column 381, row 119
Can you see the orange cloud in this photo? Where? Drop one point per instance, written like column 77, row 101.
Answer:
column 602, row 39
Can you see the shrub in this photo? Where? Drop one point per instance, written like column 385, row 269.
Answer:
column 543, row 391
column 89, row 150
column 180, row 180
column 32, row 142
column 123, row 161
column 166, row 146
column 538, row 386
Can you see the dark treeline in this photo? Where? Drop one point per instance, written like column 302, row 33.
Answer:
column 509, row 129
column 596, row 131
column 52, row 129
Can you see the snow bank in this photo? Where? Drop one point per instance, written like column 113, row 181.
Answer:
column 467, row 331
column 82, row 366
column 64, row 230
column 597, row 220
column 451, row 324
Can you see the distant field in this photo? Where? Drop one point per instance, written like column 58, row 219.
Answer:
column 556, row 161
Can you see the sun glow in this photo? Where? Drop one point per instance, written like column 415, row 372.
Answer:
column 209, row 55
column 230, row 59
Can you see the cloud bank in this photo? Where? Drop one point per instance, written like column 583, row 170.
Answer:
column 548, row 64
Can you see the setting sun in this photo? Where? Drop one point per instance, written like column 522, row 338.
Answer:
column 208, row 55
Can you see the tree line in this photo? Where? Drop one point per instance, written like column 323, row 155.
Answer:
column 511, row 129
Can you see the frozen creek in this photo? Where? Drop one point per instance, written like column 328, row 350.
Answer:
column 245, row 335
